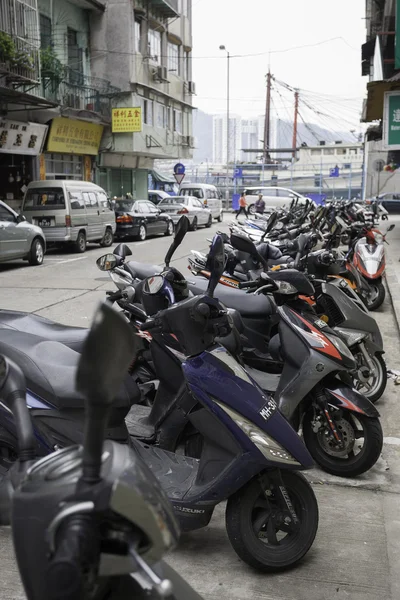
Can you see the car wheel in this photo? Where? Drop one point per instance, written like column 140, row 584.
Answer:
column 170, row 228
column 142, row 233
column 209, row 222
column 252, row 209
column 36, row 254
column 221, row 216
column 80, row 244
column 193, row 226
column 108, row 238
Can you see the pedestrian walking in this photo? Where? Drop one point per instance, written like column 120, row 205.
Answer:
column 242, row 206
column 260, row 205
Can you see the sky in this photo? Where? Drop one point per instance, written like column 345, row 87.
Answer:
column 330, row 72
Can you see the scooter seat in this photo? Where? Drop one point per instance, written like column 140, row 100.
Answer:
column 73, row 337
column 248, row 305
column 141, row 270
column 50, row 371
column 283, row 260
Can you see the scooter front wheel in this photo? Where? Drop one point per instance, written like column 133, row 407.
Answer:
column 362, row 441
column 260, row 533
column 377, row 295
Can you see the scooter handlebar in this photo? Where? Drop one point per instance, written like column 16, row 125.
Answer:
column 243, row 285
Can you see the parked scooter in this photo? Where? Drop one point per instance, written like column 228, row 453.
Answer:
column 92, row 521
column 368, row 256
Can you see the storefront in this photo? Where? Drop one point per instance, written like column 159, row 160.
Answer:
column 71, row 146
column 20, row 145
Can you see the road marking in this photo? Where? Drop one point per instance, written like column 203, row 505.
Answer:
column 141, row 243
column 68, row 260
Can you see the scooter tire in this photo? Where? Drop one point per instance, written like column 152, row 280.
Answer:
column 8, row 451
column 378, row 358
column 378, row 301
column 265, row 557
column 350, row 467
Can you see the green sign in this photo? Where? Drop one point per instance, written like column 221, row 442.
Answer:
column 397, row 37
column 393, row 120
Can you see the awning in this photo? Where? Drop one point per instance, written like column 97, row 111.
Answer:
column 373, row 108
column 161, row 177
column 168, row 8
column 28, row 101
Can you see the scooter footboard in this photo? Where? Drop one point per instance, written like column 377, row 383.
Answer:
column 345, row 397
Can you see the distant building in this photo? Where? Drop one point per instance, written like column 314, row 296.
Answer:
column 203, row 135
column 219, row 138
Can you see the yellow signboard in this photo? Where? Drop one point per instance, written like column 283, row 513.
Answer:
column 126, row 120
column 74, row 137
column 42, row 168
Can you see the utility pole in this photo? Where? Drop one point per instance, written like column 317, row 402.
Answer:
column 296, row 113
column 267, row 125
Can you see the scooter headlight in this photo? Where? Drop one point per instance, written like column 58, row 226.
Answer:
column 284, row 287
column 352, row 337
column 378, row 237
column 269, row 447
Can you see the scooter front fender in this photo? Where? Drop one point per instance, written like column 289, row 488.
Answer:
column 345, row 397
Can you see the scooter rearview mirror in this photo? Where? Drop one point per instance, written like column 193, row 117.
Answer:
column 107, row 262
column 244, row 244
column 181, row 230
column 271, row 222
column 107, row 353
column 215, row 263
column 122, row 250
column 391, row 227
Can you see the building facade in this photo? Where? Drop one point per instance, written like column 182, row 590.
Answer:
column 220, row 141
column 65, row 64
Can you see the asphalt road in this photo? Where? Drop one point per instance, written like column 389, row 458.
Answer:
column 356, row 555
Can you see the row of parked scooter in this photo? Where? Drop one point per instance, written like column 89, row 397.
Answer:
column 266, row 339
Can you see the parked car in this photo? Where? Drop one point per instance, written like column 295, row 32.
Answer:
column 70, row 212
column 140, row 218
column 193, row 208
column 156, row 196
column 20, row 239
column 207, row 193
column 390, row 201
column 274, row 197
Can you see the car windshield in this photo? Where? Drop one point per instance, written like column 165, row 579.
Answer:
column 196, row 192
column 44, row 199
column 124, row 205
column 175, row 200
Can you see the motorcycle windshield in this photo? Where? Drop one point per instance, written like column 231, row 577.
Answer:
column 216, row 378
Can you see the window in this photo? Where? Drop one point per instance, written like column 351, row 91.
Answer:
column 340, row 151
column 103, row 200
column 352, row 151
column 169, row 117
column 6, row 215
column 148, row 112
column 160, row 116
column 151, row 208
column 315, row 152
column 93, row 199
column 329, row 151
column 75, row 58
column 141, row 207
column 136, row 33
column 76, row 200
column 196, row 192
column 186, row 65
column 177, row 121
column 124, row 206
column 173, row 58
column 154, row 47
column 197, row 204
column 45, row 198
column 64, row 166
column 45, row 31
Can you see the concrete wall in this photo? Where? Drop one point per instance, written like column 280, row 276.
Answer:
column 383, row 182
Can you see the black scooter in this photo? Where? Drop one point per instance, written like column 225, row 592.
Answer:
column 88, row 521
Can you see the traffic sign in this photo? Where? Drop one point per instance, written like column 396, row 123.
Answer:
column 334, row 172
column 238, row 173
column 179, row 177
column 179, row 169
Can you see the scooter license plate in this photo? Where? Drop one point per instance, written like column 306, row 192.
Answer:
column 269, row 408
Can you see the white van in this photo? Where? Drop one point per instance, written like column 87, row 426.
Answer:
column 274, row 197
column 208, row 194
column 69, row 211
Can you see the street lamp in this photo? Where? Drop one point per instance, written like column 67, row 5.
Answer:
column 222, row 47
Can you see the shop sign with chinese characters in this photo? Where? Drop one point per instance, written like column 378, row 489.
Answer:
column 127, row 120
column 69, row 136
column 391, row 121
column 17, row 137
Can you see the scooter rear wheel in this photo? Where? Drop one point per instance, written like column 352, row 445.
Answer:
column 257, row 531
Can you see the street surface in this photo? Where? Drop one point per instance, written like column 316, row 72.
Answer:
column 356, row 555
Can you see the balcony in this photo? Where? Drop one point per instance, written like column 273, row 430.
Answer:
column 78, row 91
column 168, row 8
column 19, row 61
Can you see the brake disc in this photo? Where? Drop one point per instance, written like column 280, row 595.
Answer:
column 330, row 445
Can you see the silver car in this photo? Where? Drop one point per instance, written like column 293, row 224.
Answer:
column 193, row 208
column 20, row 239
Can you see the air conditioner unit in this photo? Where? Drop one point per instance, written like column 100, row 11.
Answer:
column 192, row 142
column 191, row 87
column 160, row 74
column 185, row 140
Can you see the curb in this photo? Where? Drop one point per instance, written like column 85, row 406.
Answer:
column 393, row 286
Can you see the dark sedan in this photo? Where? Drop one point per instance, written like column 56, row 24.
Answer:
column 140, row 218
